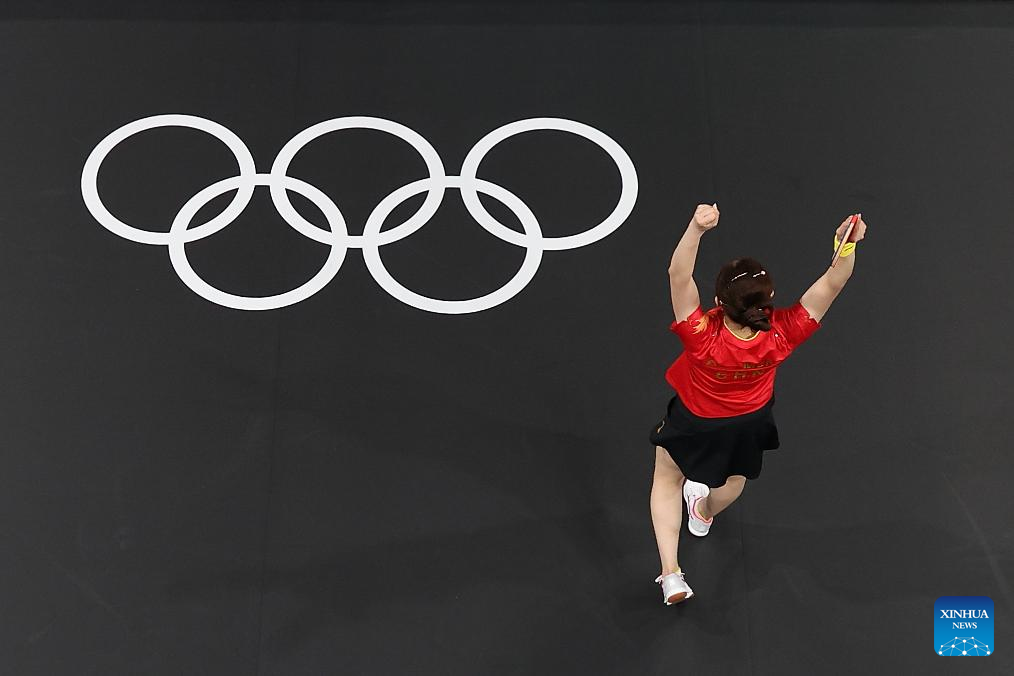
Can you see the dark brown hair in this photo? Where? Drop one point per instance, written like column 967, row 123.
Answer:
column 744, row 289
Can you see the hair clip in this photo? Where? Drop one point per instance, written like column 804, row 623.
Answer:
column 737, row 277
column 729, row 283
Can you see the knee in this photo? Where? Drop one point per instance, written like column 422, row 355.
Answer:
column 666, row 467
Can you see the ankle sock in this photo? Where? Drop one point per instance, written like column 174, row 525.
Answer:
column 697, row 511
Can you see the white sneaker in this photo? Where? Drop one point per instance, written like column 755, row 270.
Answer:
column 692, row 493
column 674, row 588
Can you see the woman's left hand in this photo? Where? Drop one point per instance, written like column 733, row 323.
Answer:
column 706, row 217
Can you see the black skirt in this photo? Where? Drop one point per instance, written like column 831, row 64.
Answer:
column 710, row 450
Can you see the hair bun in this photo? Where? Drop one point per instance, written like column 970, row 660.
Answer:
column 757, row 319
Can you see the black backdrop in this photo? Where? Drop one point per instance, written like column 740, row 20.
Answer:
column 351, row 485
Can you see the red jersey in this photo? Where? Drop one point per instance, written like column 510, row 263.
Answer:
column 720, row 374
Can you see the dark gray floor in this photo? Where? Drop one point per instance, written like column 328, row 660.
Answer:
column 352, row 486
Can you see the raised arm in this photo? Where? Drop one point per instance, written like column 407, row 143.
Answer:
column 821, row 294
column 682, row 287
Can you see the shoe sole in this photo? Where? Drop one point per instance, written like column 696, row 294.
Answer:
column 676, row 598
column 693, row 532
column 690, row 520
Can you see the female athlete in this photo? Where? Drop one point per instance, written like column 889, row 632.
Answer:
column 720, row 421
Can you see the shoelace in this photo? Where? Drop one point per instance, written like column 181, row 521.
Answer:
column 659, row 578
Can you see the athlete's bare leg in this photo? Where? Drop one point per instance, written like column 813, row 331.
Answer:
column 720, row 498
column 667, row 508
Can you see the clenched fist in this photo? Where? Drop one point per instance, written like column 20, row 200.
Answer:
column 706, row 216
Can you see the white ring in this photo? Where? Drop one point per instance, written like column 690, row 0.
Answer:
column 624, row 205
column 429, row 154
column 178, row 240
column 89, row 177
column 533, row 241
column 373, row 236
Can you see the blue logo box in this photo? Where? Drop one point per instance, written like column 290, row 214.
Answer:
column 963, row 626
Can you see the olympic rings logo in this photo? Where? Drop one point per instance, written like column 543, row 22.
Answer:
column 336, row 235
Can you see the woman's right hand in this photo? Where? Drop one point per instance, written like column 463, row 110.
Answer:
column 706, row 217
column 858, row 232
